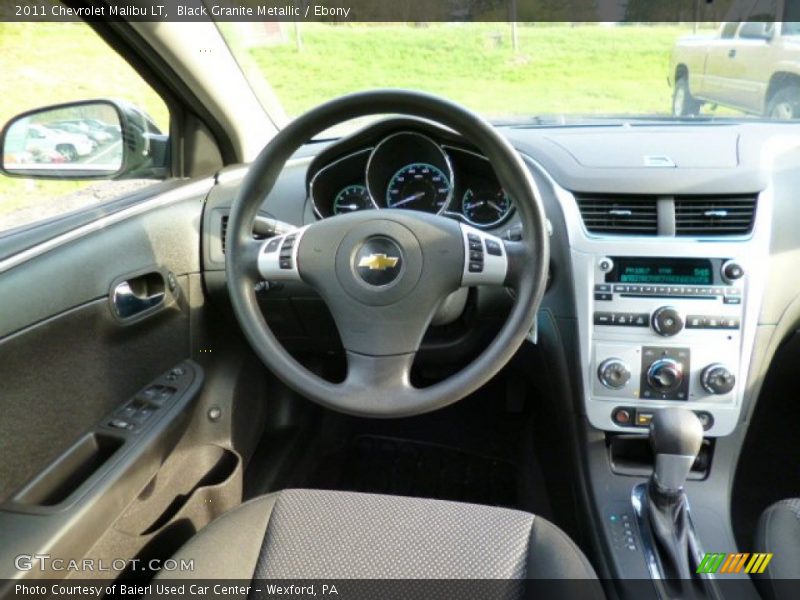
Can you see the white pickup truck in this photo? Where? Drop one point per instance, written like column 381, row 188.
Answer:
column 750, row 66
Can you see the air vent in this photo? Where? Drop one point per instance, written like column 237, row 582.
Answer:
column 714, row 215
column 223, row 231
column 619, row 215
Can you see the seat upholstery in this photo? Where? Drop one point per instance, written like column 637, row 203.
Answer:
column 314, row 534
column 778, row 532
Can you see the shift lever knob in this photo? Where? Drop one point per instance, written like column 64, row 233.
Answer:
column 675, row 435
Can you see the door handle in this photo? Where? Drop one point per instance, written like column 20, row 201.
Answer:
column 137, row 295
column 732, row 53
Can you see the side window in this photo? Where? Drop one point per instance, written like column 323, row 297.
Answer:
column 50, row 63
column 729, row 30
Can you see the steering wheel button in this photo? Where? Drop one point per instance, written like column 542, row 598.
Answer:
column 493, row 248
column 475, row 267
column 272, row 245
column 285, row 263
column 476, row 255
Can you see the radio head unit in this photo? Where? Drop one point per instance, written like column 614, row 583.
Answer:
column 665, row 271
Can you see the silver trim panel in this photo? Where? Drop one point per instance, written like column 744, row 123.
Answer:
column 586, row 251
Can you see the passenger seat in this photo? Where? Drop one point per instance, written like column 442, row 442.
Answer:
column 778, row 532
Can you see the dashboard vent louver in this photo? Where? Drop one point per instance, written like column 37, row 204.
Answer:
column 223, row 231
column 714, row 215
column 619, row 215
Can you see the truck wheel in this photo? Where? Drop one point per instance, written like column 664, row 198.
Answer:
column 785, row 104
column 683, row 103
column 68, row 151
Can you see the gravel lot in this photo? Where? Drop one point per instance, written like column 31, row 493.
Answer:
column 92, row 194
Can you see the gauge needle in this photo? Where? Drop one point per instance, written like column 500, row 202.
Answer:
column 349, row 206
column 495, row 206
column 411, row 198
column 475, row 205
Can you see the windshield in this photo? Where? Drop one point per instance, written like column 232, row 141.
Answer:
column 518, row 72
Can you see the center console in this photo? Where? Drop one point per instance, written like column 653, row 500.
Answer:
column 665, row 321
column 664, row 329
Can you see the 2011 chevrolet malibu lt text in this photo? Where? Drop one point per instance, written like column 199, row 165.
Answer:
column 470, row 299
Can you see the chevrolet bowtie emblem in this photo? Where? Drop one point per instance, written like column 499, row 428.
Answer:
column 378, row 262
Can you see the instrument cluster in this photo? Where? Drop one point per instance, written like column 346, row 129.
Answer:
column 409, row 170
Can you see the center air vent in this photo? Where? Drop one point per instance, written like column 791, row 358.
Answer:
column 619, row 215
column 714, row 215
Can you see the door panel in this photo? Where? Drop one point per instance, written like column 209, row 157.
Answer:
column 62, row 376
column 65, row 358
column 72, row 366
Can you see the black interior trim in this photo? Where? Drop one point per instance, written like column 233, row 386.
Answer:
column 159, row 74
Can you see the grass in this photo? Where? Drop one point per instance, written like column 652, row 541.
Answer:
column 557, row 69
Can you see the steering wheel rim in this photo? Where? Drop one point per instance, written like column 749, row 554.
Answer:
column 381, row 386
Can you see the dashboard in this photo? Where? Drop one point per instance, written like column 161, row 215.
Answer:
column 668, row 285
column 410, row 170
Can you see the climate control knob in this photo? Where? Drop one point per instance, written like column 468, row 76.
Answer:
column 665, row 375
column 717, row 379
column 613, row 373
column 666, row 321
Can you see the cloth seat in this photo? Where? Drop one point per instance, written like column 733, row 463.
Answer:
column 327, row 535
column 778, row 532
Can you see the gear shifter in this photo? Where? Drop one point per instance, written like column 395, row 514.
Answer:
column 675, row 436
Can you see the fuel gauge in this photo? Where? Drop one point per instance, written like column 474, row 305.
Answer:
column 352, row 198
column 485, row 207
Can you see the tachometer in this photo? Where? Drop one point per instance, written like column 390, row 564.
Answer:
column 350, row 199
column 485, row 207
column 419, row 186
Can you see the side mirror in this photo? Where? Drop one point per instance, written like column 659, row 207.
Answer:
column 756, row 30
column 96, row 139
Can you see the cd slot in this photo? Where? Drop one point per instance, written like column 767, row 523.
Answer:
column 668, row 295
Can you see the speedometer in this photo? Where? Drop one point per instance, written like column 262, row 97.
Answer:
column 485, row 207
column 419, row 186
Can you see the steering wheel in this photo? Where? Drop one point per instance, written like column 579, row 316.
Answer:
column 384, row 273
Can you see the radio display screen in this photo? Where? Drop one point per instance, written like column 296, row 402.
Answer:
column 664, row 271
